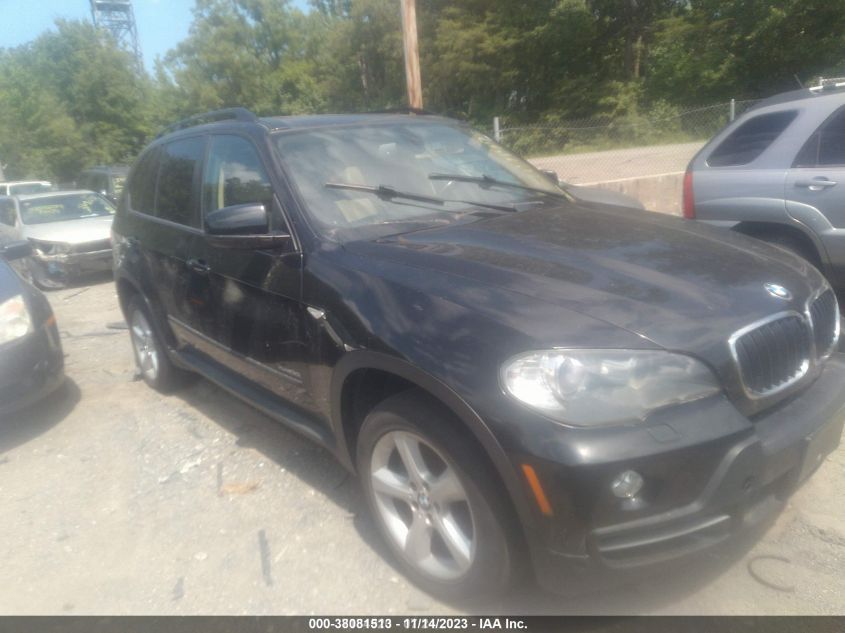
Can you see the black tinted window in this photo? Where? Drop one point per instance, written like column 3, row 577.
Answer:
column 832, row 141
column 234, row 175
column 142, row 187
column 750, row 139
column 179, row 163
column 826, row 147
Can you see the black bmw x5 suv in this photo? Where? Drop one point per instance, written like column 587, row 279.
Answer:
column 514, row 375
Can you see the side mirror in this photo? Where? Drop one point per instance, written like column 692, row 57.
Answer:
column 551, row 175
column 242, row 226
column 16, row 250
column 241, row 219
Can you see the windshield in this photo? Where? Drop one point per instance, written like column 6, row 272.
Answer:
column 407, row 157
column 30, row 187
column 61, row 208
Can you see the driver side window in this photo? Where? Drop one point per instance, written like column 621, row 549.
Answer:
column 234, row 174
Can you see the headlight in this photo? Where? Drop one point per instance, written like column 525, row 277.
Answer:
column 14, row 320
column 605, row 387
column 50, row 248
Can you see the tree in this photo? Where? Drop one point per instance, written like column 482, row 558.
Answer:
column 260, row 54
column 69, row 99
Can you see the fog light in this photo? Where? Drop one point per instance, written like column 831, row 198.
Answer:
column 627, row 484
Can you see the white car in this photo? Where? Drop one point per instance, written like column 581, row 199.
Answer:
column 22, row 187
column 70, row 232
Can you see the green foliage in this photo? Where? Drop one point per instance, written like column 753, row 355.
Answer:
column 626, row 68
column 68, row 100
column 260, row 54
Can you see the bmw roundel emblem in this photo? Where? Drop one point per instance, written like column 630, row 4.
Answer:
column 776, row 290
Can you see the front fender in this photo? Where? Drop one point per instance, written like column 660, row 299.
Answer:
column 365, row 359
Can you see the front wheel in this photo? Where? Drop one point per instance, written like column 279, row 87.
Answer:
column 435, row 498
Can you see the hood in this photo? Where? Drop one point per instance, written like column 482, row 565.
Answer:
column 71, row 231
column 682, row 285
column 597, row 195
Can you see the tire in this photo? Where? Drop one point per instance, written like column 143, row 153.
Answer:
column 443, row 518
column 150, row 352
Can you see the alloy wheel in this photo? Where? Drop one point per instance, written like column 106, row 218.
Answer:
column 423, row 505
column 146, row 350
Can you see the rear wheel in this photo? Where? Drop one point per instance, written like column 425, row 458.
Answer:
column 434, row 498
column 151, row 357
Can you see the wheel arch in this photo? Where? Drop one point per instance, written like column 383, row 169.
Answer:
column 127, row 288
column 795, row 230
column 353, row 365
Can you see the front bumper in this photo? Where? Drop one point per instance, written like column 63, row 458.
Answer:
column 30, row 369
column 68, row 265
column 710, row 475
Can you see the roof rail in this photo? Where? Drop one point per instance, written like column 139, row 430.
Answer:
column 233, row 114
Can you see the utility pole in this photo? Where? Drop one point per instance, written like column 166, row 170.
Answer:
column 412, row 53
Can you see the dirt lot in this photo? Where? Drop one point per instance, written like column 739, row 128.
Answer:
column 119, row 501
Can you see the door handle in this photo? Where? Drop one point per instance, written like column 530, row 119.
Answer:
column 198, row 266
column 816, row 184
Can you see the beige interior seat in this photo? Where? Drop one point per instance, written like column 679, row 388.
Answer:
column 357, row 206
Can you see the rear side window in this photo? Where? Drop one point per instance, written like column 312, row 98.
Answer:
column 826, row 147
column 180, row 164
column 142, row 187
column 234, row 175
column 750, row 139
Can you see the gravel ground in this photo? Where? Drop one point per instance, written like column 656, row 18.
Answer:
column 117, row 500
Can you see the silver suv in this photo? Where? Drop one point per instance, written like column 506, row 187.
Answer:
column 778, row 173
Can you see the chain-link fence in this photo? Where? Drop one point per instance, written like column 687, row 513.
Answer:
column 603, row 149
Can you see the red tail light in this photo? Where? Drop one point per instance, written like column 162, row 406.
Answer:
column 689, row 199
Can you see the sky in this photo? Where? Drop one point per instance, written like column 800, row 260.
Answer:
column 161, row 23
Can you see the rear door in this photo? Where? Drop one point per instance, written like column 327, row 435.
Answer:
column 815, row 186
column 174, row 235
column 817, row 177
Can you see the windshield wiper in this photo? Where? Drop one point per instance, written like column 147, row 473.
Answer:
column 488, row 181
column 389, row 193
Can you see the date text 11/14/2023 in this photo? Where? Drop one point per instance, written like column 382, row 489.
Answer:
column 417, row 623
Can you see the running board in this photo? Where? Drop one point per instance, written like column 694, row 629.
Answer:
column 255, row 396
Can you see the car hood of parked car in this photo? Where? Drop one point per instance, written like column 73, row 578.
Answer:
column 672, row 281
column 78, row 231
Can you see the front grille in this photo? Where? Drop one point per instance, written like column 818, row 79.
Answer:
column 773, row 353
column 824, row 312
column 92, row 247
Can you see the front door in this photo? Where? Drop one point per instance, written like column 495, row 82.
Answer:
column 256, row 313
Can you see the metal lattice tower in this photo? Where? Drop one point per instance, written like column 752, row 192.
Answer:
column 118, row 18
